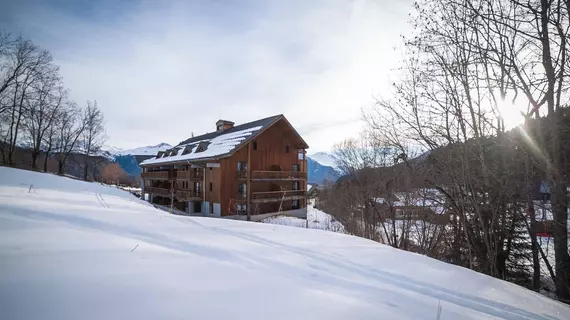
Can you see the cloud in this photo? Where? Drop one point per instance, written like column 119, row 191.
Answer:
column 161, row 70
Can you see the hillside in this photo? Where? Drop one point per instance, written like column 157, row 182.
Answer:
column 68, row 248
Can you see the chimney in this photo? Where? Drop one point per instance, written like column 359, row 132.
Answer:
column 223, row 125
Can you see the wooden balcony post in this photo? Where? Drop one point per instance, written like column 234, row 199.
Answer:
column 142, row 185
column 204, row 187
column 248, row 183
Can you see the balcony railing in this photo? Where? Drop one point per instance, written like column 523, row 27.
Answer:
column 273, row 175
column 180, row 195
column 155, row 175
column 159, row 191
column 189, row 175
column 187, row 195
column 271, row 196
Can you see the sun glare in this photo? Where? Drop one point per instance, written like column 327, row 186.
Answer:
column 512, row 113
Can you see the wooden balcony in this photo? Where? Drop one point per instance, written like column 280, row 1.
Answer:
column 275, row 196
column 180, row 195
column 189, row 175
column 258, row 175
column 187, row 195
column 155, row 175
column 158, row 191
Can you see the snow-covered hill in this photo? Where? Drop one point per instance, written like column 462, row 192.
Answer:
column 76, row 250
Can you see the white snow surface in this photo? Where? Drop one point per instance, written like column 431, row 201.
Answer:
column 76, row 250
column 217, row 146
column 325, row 159
column 316, row 218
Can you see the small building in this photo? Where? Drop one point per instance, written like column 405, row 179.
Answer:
column 255, row 169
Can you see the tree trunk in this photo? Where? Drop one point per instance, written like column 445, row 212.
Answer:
column 60, row 164
column 534, row 246
column 46, row 161
column 34, row 160
column 85, row 168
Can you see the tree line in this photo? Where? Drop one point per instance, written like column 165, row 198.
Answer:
column 36, row 112
column 441, row 139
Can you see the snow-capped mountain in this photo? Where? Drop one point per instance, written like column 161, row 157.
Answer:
column 326, row 159
column 143, row 151
column 129, row 159
column 321, row 166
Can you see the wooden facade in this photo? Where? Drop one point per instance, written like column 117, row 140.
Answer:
column 265, row 173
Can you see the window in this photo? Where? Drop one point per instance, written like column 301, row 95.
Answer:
column 242, row 166
column 295, row 204
column 287, row 149
column 295, row 185
column 254, row 145
column 197, row 187
column 187, row 149
column 210, row 168
column 242, row 188
column 295, row 168
column 202, row 146
column 210, row 185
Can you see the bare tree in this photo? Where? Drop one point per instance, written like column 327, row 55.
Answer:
column 25, row 65
column 93, row 136
column 69, row 130
column 42, row 112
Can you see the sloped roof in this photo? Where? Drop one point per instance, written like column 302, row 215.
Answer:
column 219, row 143
column 211, row 135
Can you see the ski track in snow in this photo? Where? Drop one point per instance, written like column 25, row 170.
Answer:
column 101, row 200
column 390, row 283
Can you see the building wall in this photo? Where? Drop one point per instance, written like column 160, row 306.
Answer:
column 271, row 151
column 214, row 177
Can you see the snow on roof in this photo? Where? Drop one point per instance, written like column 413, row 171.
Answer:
column 218, row 146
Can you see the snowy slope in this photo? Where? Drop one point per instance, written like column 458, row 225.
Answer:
column 76, row 250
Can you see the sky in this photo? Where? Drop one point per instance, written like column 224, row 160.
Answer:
column 162, row 70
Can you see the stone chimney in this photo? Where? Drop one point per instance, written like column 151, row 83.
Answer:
column 223, row 125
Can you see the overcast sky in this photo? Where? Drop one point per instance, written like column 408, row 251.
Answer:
column 163, row 69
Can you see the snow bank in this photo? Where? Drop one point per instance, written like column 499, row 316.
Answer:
column 316, row 218
column 75, row 250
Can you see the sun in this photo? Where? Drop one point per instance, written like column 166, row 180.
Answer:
column 512, row 112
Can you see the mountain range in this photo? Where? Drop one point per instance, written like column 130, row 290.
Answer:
column 320, row 166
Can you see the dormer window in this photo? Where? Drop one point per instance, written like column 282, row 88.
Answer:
column 187, row 149
column 202, row 146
